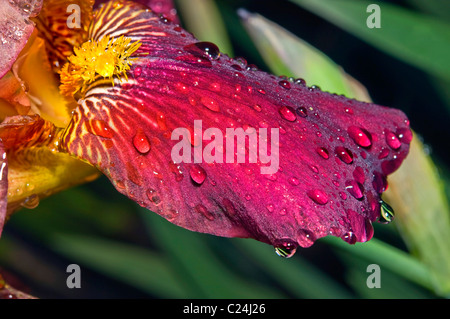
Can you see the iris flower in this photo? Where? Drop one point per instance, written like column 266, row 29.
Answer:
column 108, row 98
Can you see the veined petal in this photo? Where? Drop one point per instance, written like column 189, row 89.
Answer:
column 319, row 167
column 35, row 168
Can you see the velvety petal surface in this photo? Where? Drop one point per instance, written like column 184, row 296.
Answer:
column 334, row 153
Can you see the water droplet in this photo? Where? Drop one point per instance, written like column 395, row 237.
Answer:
column 210, row 103
column 318, row 196
column 257, row 108
column 392, row 140
column 348, row 110
column 300, row 81
column 99, row 128
column 141, row 142
column 344, row 154
column 30, row 202
column 360, row 136
column 204, row 48
column 386, row 214
column 262, row 91
column 286, row 248
column 137, row 71
column 270, row 208
column 323, row 152
column 383, row 153
column 176, row 170
column 359, row 175
column 153, row 197
column 379, row 182
column 355, row 189
column 287, row 113
column 301, row 111
column 405, row 135
column 285, row 84
column 202, row 210
column 294, row 181
column 349, row 237
column 248, row 197
column 196, row 60
column 305, row 237
column 198, row 174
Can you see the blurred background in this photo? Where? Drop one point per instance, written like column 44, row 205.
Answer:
column 125, row 251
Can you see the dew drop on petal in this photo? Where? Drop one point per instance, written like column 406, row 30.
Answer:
column 386, row 213
column 197, row 174
column 141, row 142
column 153, row 197
column 301, row 111
column 349, row 237
column 323, row 152
column 286, row 248
column 204, row 48
column 287, row 113
column 360, row 136
column 355, row 189
column 204, row 211
column 285, row 84
column 318, row 196
column 99, row 128
column 392, row 140
column 344, row 154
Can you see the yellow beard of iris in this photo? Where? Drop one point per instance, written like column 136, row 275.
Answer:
column 106, row 58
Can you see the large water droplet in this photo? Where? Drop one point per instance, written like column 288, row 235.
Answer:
column 196, row 60
column 99, row 128
column 355, row 189
column 386, row 213
column 141, row 142
column 286, row 248
column 392, row 140
column 30, row 202
column 318, row 196
column 204, row 48
column 360, row 136
column 197, row 174
column 287, row 113
column 344, row 154
column 349, row 237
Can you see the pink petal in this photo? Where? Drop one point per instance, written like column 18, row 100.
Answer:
column 323, row 148
column 3, row 186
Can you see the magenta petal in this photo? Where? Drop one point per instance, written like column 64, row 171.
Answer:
column 327, row 180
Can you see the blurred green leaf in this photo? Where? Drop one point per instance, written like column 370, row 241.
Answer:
column 288, row 55
column 203, row 19
column 387, row 256
column 296, row 274
column 197, row 262
column 419, row 39
column 135, row 266
column 423, row 213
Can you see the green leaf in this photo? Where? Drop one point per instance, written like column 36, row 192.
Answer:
column 418, row 39
column 289, row 55
column 295, row 274
column 394, row 259
column 207, row 274
column 204, row 20
column 135, row 266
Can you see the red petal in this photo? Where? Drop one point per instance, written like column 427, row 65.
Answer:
column 329, row 171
